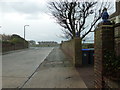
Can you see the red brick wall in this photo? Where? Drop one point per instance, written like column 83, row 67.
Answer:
column 104, row 40
column 6, row 46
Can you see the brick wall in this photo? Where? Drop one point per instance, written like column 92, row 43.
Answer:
column 73, row 49
column 118, row 7
column 6, row 46
column 67, row 47
column 103, row 41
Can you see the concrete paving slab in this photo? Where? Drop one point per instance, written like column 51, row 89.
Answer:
column 12, row 82
column 60, row 77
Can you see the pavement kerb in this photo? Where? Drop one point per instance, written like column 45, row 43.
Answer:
column 14, row 51
column 20, row 87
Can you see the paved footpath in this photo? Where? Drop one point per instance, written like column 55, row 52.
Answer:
column 55, row 72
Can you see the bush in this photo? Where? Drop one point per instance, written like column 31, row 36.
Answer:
column 16, row 40
column 111, row 65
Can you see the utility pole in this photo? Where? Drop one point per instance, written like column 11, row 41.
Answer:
column 24, row 35
column 24, row 30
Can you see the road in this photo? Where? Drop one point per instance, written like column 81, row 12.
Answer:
column 17, row 67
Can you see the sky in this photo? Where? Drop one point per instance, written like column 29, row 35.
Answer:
column 35, row 13
column 17, row 13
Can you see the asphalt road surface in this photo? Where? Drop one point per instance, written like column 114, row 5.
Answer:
column 17, row 67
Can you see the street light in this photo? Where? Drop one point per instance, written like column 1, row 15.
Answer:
column 24, row 35
column 24, row 30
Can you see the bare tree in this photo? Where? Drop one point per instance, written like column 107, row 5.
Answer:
column 77, row 18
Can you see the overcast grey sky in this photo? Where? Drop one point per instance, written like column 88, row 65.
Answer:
column 17, row 13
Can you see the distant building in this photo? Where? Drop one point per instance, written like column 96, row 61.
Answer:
column 87, row 45
column 48, row 43
column 115, row 17
column 32, row 42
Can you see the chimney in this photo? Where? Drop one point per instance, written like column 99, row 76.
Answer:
column 118, row 7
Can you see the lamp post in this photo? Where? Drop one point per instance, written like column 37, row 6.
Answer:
column 24, row 35
column 24, row 30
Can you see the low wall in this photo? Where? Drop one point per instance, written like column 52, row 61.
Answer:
column 73, row 49
column 6, row 46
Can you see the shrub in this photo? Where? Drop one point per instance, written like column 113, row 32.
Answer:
column 111, row 64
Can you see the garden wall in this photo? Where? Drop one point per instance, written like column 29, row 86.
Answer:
column 7, row 46
column 73, row 49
